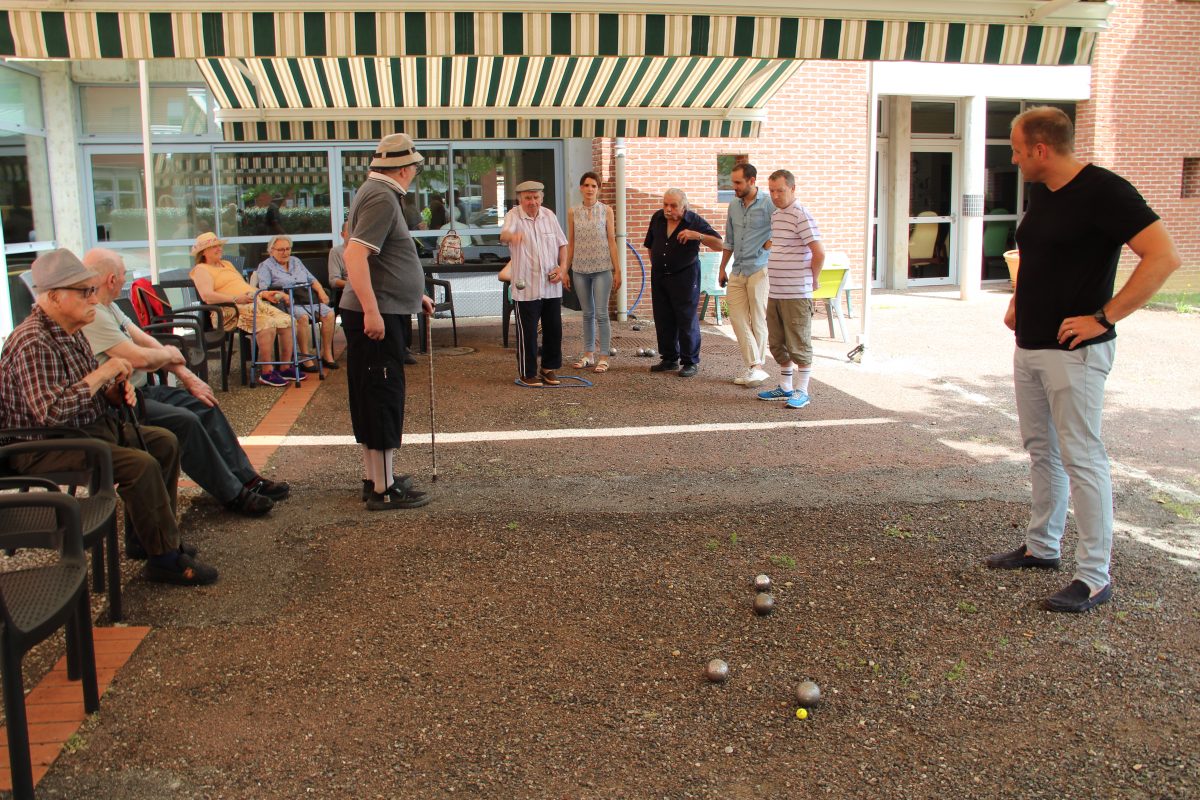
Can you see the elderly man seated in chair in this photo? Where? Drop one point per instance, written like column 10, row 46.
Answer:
column 208, row 447
column 281, row 269
column 49, row 378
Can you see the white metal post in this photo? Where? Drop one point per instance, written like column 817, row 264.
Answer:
column 623, row 295
column 869, row 233
column 148, row 171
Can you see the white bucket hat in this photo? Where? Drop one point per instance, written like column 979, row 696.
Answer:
column 396, row 150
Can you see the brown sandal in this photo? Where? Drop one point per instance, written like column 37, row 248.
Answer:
column 601, row 366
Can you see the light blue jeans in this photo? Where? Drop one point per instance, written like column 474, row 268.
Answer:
column 593, row 290
column 1060, row 395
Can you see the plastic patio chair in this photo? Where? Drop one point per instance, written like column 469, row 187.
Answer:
column 710, row 270
column 98, row 509
column 36, row 602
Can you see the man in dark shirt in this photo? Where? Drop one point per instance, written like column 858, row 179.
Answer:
column 1063, row 311
column 49, row 378
column 674, row 240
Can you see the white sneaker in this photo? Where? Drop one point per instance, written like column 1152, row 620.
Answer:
column 740, row 380
column 755, row 377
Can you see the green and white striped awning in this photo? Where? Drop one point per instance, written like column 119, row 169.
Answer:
column 555, row 69
column 507, row 97
column 970, row 31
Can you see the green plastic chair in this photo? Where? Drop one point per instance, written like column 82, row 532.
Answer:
column 710, row 269
column 831, row 288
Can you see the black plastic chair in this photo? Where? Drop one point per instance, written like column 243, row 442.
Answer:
column 204, row 318
column 446, row 304
column 98, row 510
column 35, row 603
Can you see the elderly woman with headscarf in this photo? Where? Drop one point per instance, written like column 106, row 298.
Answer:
column 281, row 269
column 218, row 281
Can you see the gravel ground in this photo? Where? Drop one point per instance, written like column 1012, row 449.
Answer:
column 541, row 628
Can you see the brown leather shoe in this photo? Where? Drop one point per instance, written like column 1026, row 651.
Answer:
column 531, row 380
column 550, row 378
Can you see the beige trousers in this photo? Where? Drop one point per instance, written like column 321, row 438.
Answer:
column 746, row 297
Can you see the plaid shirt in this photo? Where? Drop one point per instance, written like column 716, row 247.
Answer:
column 41, row 376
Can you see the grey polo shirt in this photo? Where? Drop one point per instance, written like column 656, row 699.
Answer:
column 747, row 229
column 377, row 222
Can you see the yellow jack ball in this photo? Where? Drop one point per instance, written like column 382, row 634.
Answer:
column 801, row 713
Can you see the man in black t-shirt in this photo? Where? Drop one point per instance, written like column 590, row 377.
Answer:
column 1078, row 218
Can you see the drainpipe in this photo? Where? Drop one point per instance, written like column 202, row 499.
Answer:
column 619, row 213
column 148, row 171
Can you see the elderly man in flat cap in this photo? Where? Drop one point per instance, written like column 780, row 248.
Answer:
column 49, row 378
column 386, row 283
column 538, row 248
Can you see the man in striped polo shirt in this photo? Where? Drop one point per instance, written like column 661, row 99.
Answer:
column 797, row 256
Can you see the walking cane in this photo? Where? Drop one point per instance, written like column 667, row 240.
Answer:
column 129, row 415
column 432, row 424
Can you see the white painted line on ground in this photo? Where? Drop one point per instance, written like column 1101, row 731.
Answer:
column 469, row 437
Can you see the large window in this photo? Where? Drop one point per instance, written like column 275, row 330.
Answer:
column 1004, row 192
column 111, row 111
column 26, row 212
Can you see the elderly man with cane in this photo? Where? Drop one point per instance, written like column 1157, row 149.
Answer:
column 386, row 282
column 49, row 378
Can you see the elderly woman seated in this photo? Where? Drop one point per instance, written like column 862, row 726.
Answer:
column 282, row 269
column 218, row 281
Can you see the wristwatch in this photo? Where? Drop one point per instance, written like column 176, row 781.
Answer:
column 1103, row 320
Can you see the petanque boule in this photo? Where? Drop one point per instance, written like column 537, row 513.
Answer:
column 764, row 603
column 651, row 352
column 641, row 351
column 808, row 694
column 716, row 671
column 762, row 583
column 520, row 284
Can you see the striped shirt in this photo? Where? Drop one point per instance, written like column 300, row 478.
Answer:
column 789, row 271
column 536, row 255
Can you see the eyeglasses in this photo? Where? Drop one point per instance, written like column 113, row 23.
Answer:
column 86, row 291
column 281, row 249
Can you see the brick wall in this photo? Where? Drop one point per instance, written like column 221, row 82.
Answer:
column 1143, row 120
column 817, row 128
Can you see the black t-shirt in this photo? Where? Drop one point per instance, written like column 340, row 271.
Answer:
column 1070, row 242
column 669, row 254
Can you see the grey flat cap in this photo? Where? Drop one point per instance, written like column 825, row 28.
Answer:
column 59, row 268
column 530, row 186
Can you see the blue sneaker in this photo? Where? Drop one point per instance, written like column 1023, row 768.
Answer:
column 271, row 379
column 775, row 394
column 798, row 399
column 292, row 374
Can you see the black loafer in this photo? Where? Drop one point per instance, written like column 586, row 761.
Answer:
column 405, row 482
column 276, row 490
column 665, row 366
column 689, row 371
column 1076, row 597
column 1019, row 559
column 409, row 358
column 329, row 364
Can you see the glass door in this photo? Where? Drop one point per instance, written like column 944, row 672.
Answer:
column 932, row 221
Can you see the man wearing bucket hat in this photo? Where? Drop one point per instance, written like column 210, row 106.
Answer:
column 385, row 284
column 49, row 378
column 538, row 248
